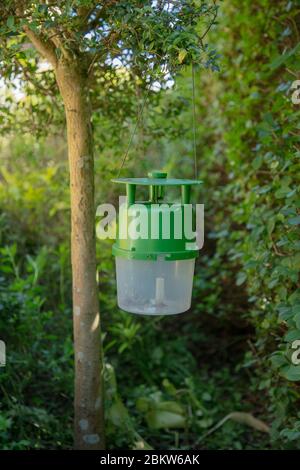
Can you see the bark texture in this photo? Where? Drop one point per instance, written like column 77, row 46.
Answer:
column 89, row 414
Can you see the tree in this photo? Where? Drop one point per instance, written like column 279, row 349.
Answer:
column 85, row 43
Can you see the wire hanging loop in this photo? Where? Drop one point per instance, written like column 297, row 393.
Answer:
column 132, row 135
column 141, row 110
column 194, row 121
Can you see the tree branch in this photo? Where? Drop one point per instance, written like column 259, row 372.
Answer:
column 56, row 39
column 43, row 47
column 31, row 78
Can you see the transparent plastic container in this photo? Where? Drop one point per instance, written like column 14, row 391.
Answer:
column 157, row 287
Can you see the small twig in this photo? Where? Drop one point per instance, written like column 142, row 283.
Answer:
column 292, row 73
column 292, row 20
column 240, row 417
column 278, row 253
column 211, row 23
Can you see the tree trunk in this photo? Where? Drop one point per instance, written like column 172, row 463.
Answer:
column 89, row 413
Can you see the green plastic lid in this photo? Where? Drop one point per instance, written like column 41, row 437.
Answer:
column 171, row 248
column 156, row 181
column 157, row 174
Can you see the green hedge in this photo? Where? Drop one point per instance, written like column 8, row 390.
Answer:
column 249, row 157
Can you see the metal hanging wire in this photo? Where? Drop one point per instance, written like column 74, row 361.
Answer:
column 141, row 109
column 138, row 120
column 194, row 121
column 140, row 115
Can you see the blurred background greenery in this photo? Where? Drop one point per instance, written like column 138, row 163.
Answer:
column 169, row 381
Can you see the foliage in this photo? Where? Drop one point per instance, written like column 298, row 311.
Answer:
column 248, row 148
column 261, row 196
column 122, row 47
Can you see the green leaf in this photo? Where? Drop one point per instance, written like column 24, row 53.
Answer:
column 157, row 419
column 143, row 404
column 171, row 406
column 297, row 320
column 257, row 162
column 278, row 360
column 5, row 423
column 294, row 220
column 281, row 59
column 118, row 414
column 241, row 278
column 292, row 335
column 10, row 22
column 271, row 225
column 282, row 192
column 292, row 373
column 285, row 313
column 181, row 56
